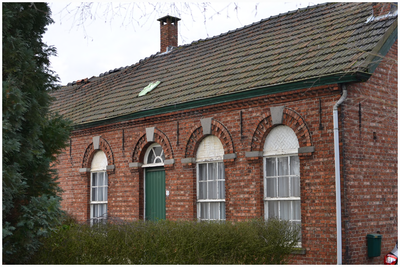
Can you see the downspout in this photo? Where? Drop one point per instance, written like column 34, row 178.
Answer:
column 337, row 175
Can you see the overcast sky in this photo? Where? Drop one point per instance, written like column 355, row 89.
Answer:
column 111, row 38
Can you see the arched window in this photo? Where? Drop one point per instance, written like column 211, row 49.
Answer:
column 210, row 179
column 154, row 156
column 282, row 175
column 98, row 188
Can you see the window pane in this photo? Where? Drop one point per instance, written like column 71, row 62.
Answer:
column 94, row 179
column 105, row 179
column 204, row 211
column 212, row 190
column 271, row 187
column 105, row 193
column 158, row 160
column 272, row 209
column 222, row 211
column 102, row 210
column 202, row 190
column 296, row 210
column 294, row 166
column 158, row 150
column 270, row 166
column 100, row 179
column 94, row 195
column 295, row 185
column 202, row 172
column 283, row 166
column 162, row 156
column 221, row 189
column 285, row 210
column 98, row 210
column 100, row 194
column 151, row 157
column 214, row 211
column 212, row 171
column 221, row 171
column 283, row 186
column 105, row 210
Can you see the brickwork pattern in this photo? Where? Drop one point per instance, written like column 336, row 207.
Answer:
column 90, row 151
column 217, row 129
column 370, row 127
column 142, row 145
column 242, row 126
column 291, row 119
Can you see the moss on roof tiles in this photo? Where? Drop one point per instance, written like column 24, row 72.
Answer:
column 320, row 41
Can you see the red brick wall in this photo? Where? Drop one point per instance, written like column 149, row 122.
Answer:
column 369, row 123
column 242, row 127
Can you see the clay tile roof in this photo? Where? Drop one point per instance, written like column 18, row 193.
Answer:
column 311, row 43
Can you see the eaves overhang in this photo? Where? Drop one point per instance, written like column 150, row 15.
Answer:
column 255, row 92
column 382, row 47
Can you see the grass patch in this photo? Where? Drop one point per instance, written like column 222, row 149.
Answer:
column 171, row 242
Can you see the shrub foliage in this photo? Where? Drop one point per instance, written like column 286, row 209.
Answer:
column 171, row 242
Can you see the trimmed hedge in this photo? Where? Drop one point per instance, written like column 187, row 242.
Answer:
column 171, row 242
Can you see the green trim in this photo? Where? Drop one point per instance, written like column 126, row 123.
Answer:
column 264, row 91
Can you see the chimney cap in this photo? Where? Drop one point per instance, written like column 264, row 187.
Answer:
column 164, row 19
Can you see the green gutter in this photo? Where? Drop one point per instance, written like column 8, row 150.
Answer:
column 264, row 91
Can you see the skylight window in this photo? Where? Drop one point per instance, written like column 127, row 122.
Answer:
column 149, row 87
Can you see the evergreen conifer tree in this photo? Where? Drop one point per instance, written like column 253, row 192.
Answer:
column 32, row 135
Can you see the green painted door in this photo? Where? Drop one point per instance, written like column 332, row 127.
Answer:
column 155, row 194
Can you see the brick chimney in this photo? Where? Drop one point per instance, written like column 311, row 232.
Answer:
column 168, row 32
column 381, row 9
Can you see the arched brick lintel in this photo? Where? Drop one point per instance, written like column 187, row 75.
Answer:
column 142, row 145
column 90, row 151
column 217, row 129
column 291, row 119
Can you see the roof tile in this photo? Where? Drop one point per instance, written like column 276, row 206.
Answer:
column 309, row 43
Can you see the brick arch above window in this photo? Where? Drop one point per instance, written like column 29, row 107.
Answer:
column 205, row 128
column 98, row 143
column 281, row 116
column 152, row 135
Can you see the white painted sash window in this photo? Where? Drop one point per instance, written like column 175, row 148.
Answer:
column 210, row 180
column 98, row 188
column 282, row 175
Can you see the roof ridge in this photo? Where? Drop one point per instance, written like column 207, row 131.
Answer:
column 258, row 22
column 111, row 71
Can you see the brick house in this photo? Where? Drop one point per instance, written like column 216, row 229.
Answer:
column 262, row 121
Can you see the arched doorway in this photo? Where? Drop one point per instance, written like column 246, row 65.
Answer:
column 154, row 183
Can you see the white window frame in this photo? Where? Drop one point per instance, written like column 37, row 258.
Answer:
column 99, row 166
column 209, row 201
column 95, row 204
column 279, row 200
column 274, row 150
column 160, row 157
column 210, row 151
